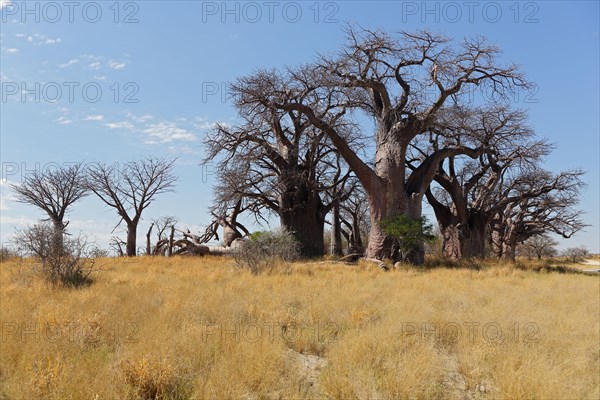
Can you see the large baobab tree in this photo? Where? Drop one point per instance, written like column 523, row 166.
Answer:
column 53, row 191
column 402, row 83
column 277, row 161
column 131, row 189
column 466, row 185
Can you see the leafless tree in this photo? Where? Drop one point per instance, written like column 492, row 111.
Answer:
column 276, row 161
column 162, row 224
column 464, row 197
column 226, row 218
column 53, row 191
column 540, row 246
column 402, row 83
column 533, row 204
column 131, row 189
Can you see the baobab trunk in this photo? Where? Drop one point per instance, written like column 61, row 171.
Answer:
column 58, row 231
column 388, row 199
column 475, row 237
column 302, row 214
column 336, row 230
column 451, row 241
column 308, row 228
column 131, row 247
column 463, row 239
column 229, row 235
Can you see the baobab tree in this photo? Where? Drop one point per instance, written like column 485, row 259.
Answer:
column 466, row 185
column 225, row 217
column 533, row 204
column 53, row 191
column 131, row 189
column 278, row 162
column 402, row 83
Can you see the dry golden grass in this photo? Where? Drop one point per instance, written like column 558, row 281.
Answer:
column 200, row 328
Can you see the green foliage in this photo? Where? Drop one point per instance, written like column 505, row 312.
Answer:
column 255, row 236
column 410, row 233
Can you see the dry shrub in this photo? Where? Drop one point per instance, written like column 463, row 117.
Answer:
column 152, row 377
column 264, row 250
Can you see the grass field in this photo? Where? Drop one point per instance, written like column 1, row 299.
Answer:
column 201, row 328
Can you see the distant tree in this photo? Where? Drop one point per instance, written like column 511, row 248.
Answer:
column 540, row 246
column 575, row 254
column 53, row 191
column 132, row 189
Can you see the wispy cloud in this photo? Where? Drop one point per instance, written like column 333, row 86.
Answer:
column 63, row 121
column 94, row 118
column 166, row 132
column 39, row 40
column 120, row 125
column 117, row 65
column 4, row 3
column 11, row 50
column 94, row 65
column 69, row 63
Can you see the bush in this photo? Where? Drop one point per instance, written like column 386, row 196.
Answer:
column 576, row 254
column 6, row 254
column 70, row 264
column 410, row 233
column 153, row 378
column 264, row 250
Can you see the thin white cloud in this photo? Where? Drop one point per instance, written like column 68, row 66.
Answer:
column 12, row 50
column 117, row 65
column 100, row 78
column 63, row 121
column 166, row 132
column 69, row 63
column 120, row 125
column 4, row 3
column 94, row 65
column 94, row 118
column 53, row 41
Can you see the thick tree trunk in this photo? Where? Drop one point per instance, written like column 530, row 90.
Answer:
column 131, row 247
column 462, row 239
column 302, row 213
column 509, row 252
column 386, row 195
column 475, row 237
column 336, row 231
column 307, row 226
column 229, row 235
column 451, row 241
column 388, row 198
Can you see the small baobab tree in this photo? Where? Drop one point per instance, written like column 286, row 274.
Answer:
column 132, row 189
column 53, row 191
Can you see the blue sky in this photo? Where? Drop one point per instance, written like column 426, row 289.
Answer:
column 113, row 81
